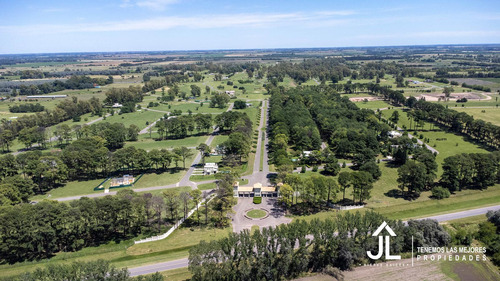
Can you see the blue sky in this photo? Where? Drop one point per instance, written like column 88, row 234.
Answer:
column 153, row 25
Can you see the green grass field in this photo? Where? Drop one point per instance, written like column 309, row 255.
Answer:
column 138, row 118
column 372, row 104
column 147, row 144
column 487, row 114
column 256, row 214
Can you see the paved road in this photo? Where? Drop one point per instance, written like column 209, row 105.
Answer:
column 463, row 214
column 148, row 269
column 146, row 130
column 261, row 176
column 276, row 214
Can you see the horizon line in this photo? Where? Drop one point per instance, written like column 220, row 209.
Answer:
column 252, row 49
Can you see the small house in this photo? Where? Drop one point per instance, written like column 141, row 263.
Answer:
column 306, row 153
column 210, row 168
column 123, row 181
column 230, row 93
column 394, row 134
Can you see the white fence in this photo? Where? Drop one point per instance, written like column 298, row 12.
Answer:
column 171, row 230
column 351, row 207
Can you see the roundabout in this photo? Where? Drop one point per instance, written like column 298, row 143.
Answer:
column 256, row 214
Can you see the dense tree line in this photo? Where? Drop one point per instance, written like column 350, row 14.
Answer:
column 477, row 87
column 31, row 232
column 471, row 170
column 330, row 69
column 181, row 126
column 302, row 117
column 73, row 83
column 26, row 107
column 132, row 94
column 289, row 250
column 38, row 74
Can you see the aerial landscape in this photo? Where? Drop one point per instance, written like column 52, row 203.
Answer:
column 227, row 140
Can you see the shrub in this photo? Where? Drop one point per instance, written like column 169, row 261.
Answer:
column 315, row 168
column 439, row 192
column 257, row 200
column 303, row 169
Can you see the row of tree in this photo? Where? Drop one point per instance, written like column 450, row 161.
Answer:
column 93, row 270
column 26, row 107
column 37, row 231
column 289, row 250
column 74, row 82
column 471, row 170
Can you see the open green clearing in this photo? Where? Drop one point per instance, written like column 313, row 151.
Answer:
column 148, row 144
column 372, row 104
column 138, row 118
column 76, row 188
column 487, row 114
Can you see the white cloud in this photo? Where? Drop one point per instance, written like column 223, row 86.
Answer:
column 158, row 5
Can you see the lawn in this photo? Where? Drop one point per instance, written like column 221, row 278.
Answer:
column 72, row 188
column 464, row 200
column 165, row 178
column 76, row 188
column 148, row 144
column 256, row 214
column 180, row 274
column 487, row 114
column 207, row 186
column 372, row 104
column 138, row 118
column 218, row 140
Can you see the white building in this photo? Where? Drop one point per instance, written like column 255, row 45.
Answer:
column 394, row 134
column 257, row 190
column 210, row 168
column 231, row 93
